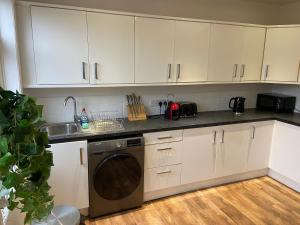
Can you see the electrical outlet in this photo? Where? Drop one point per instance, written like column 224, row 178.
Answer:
column 155, row 103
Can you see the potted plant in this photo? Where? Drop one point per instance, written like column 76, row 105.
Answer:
column 25, row 163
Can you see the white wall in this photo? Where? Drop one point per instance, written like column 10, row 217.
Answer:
column 229, row 10
column 208, row 98
column 290, row 13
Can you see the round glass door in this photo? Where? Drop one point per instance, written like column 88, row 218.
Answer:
column 117, row 176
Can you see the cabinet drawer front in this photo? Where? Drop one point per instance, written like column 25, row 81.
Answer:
column 163, row 137
column 163, row 154
column 162, row 177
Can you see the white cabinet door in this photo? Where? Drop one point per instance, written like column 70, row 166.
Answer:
column 111, row 48
column 285, row 153
column 69, row 175
column 260, row 145
column 252, row 53
column 191, row 51
column 232, row 150
column 225, row 52
column 198, row 155
column 154, row 50
column 60, row 45
column 282, row 54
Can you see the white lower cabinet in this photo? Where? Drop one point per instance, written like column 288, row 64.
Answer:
column 163, row 154
column 260, row 145
column 233, row 144
column 285, row 153
column 199, row 154
column 162, row 177
column 69, row 175
column 206, row 154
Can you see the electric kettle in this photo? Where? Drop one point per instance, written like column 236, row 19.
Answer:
column 238, row 104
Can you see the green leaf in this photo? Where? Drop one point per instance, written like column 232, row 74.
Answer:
column 3, row 121
column 6, row 162
column 3, row 145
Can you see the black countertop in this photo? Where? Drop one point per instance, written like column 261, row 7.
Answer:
column 204, row 119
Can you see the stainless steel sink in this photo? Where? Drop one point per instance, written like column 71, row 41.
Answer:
column 61, row 129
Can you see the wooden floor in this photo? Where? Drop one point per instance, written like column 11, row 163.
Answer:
column 257, row 201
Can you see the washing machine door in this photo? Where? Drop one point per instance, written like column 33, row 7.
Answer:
column 117, row 176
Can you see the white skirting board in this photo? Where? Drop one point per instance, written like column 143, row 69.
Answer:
column 284, row 180
column 204, row 184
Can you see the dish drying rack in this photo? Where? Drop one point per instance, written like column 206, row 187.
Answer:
column 106, row 121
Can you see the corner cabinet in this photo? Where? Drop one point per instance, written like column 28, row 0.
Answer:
column 69, row 175
column 282, row 54
column 60, row 46
column 286, row 154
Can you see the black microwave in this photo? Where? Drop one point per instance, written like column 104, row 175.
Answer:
column 276, row 103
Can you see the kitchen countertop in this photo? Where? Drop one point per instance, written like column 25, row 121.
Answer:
column 204, row 119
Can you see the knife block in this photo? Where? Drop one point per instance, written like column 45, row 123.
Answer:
column 136, row 112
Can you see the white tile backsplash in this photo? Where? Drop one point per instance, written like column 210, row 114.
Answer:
column 207, row 97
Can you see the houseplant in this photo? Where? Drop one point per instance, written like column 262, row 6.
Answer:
column 25, row 163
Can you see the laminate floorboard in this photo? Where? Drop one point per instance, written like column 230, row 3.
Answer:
column 261, row 201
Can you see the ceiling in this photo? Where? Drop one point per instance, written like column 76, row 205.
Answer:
column 279, row 2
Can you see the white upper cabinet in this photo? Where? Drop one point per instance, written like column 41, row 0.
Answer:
column 235, row 53
column 225, row 52
column 198, row 155
column 60, row 45
column 111, row 48
column 282, row 54
column 252, row 53
column 154, row 50
column 191, row 51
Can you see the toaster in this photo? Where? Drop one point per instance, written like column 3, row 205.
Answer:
column 187, row 109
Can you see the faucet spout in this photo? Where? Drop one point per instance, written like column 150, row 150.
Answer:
column 76, row 117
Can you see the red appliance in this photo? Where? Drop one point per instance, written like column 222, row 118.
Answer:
column 173, row 111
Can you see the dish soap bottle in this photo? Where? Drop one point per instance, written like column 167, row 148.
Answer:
column 84, row 120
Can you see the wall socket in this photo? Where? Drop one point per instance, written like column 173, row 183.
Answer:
column 155, row 103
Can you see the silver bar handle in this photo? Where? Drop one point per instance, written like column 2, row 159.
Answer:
column 243, row 70
column 222, row 139
column 81, row 156
column 166, row 137
column 235, row 68
column 96, row 71
column 267, row 71
column 164, row 149
column 164, row 172
column 83, row 70
column 169, row 70
column 253, row 132
column 214, row 137
column 178, row 71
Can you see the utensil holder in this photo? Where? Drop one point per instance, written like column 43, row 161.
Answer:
column 136, row 112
